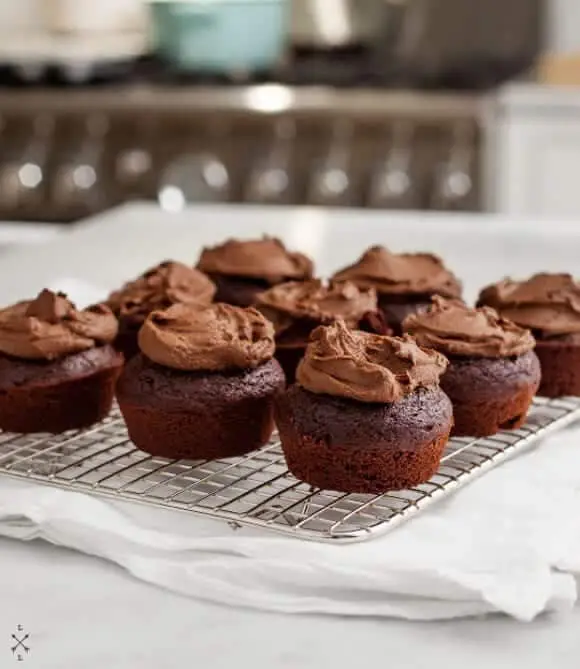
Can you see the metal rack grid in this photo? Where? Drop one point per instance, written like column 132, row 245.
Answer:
column 257, row 489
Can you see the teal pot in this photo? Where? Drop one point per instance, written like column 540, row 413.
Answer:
column 220, row 36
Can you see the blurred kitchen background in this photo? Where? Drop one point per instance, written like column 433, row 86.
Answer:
column 469, row 105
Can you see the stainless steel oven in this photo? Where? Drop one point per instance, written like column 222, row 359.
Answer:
column 68, row 154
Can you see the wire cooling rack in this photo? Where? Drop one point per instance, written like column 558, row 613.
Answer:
column 257, row 489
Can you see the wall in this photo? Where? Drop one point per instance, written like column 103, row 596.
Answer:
column 20, row 14
column 563, row 28
column 564, row 25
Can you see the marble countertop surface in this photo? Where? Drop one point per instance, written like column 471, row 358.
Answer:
column 83, row 612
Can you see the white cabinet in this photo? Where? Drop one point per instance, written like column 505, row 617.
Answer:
column 563, row 25
column 20, row 15
column 533, row 159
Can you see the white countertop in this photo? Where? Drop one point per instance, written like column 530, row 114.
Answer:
column 108, row 249
column 538, row 98
column 19, row 233
column 81, row 611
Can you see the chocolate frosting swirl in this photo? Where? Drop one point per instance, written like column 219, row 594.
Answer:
column 50, row 327
column 266, row 259
column 401, row 274
column 546, row 303
column 366, row 367
column 160, row 287
column 451, row 327
column 315, row 301
column 215, row 338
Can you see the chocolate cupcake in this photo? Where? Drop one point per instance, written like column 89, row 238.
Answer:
column 160, row 287
column 204, row 385
column 549, row 305
column 296, row 309
column 57, row 367
column 367, row 414
column 243, row 269
column 493, row 372
column 405, row 283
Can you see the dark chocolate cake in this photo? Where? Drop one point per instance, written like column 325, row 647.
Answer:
column 296, row 309
column 57, row 367
column 405, row 283
column 158, row 288
column 493, row 372
column 549, row 306
column 366, row 414
column 203, row 386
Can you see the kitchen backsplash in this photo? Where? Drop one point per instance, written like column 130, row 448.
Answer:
column 16, row 15
column 562, row 30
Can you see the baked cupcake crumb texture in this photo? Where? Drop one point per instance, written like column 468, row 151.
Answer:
column 204, row 385
column 336, row 444
column 366, row 414
column 493, row 372
column 548, row 304
column 57, row 368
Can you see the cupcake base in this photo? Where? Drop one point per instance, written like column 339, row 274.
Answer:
column 67, row 394
column 239, row 291
column 348, row 446
column 491, row 394
column 395, row 308
column 560, row 362
column 126, row 340
column 198, row 415
column 289, row 357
